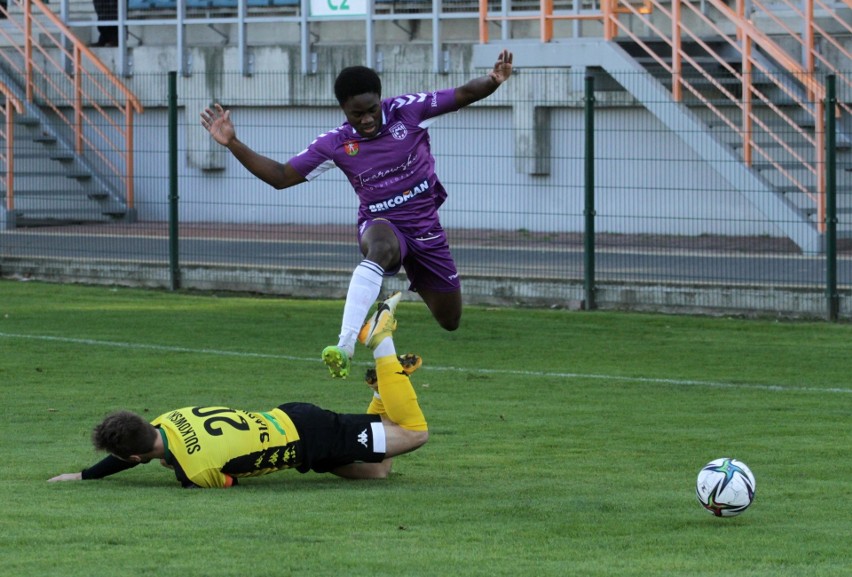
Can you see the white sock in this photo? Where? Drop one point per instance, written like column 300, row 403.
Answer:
column 364, row 289
column 385, row 348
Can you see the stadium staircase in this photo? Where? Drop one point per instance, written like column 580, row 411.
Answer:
column 750, row 83
column 777, row 162
column 66, row 155
column 760, row 92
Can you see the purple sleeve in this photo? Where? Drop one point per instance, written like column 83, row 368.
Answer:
column 419, row 106
column 444, row 102
column 317, row 157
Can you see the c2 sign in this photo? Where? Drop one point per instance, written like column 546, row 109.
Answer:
column 338, row 7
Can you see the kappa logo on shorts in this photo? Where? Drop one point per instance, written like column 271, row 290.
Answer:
column 362, row 437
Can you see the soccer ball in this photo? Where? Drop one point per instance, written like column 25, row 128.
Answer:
column 725, row 487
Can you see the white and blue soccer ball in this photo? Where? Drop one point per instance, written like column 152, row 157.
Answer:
column 725, row 487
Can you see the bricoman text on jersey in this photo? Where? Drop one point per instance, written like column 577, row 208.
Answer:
column 400, row 198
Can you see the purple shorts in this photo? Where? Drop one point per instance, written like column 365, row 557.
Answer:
column 426, row 258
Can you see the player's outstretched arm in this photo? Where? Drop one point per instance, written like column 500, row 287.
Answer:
column 484, row 86
column 107, row 466
column 217, row 121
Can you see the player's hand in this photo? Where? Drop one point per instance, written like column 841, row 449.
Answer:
column 66, row 477
column 218, row 123
column 502, row 68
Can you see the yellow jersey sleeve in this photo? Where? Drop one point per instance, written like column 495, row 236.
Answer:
column 210, row 445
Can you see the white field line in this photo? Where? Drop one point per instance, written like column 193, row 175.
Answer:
column 518, row 373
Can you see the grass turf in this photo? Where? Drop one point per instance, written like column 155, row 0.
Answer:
column 563, row 443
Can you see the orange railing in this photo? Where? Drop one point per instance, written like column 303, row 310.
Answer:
column 545, row 16
column 798, row 77
column 63, row 76
column 7, row 134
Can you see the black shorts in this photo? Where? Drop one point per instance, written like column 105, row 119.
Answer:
column 330, row 440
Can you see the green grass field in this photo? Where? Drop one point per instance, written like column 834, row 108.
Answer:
column 562, row 443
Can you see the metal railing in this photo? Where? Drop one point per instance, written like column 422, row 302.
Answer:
column 7, row 134
column 772, row 134
column 765, row 136
column 62, row 75
column 241, row 14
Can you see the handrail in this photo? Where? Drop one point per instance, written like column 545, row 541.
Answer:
column 240, row 14
column 810, row 103
column 546, row 17
column 12, row 105
column 68, row 75
column 798, row 80
column 814, row 58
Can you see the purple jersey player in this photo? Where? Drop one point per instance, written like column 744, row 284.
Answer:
column 383, row 149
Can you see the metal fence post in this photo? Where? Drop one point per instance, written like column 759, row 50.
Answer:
column 832, row 297
column 589, row 203
column 174, row 264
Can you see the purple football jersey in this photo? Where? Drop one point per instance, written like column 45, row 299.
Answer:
column 393, row 173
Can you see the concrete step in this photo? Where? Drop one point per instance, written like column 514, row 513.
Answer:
column 26, row 174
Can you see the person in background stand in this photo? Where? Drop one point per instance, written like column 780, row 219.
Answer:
column 106, row 10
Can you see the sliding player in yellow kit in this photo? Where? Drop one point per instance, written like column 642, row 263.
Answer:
column 216, row 446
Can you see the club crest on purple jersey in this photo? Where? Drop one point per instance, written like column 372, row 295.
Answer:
column 398, row 131
column 351, row 148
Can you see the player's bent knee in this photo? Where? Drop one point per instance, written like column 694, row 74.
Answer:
column 417, row 438
column 383, row 255
column 402, row 440
column 413, row 439
column 448, row 320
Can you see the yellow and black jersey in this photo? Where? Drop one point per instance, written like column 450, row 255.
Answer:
column 214, row 446
column 209, row 446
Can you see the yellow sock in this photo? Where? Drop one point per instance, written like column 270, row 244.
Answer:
column 377, row 406
column 398, row 396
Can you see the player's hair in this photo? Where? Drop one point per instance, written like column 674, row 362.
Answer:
column 123, row 434
column 355, row 80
